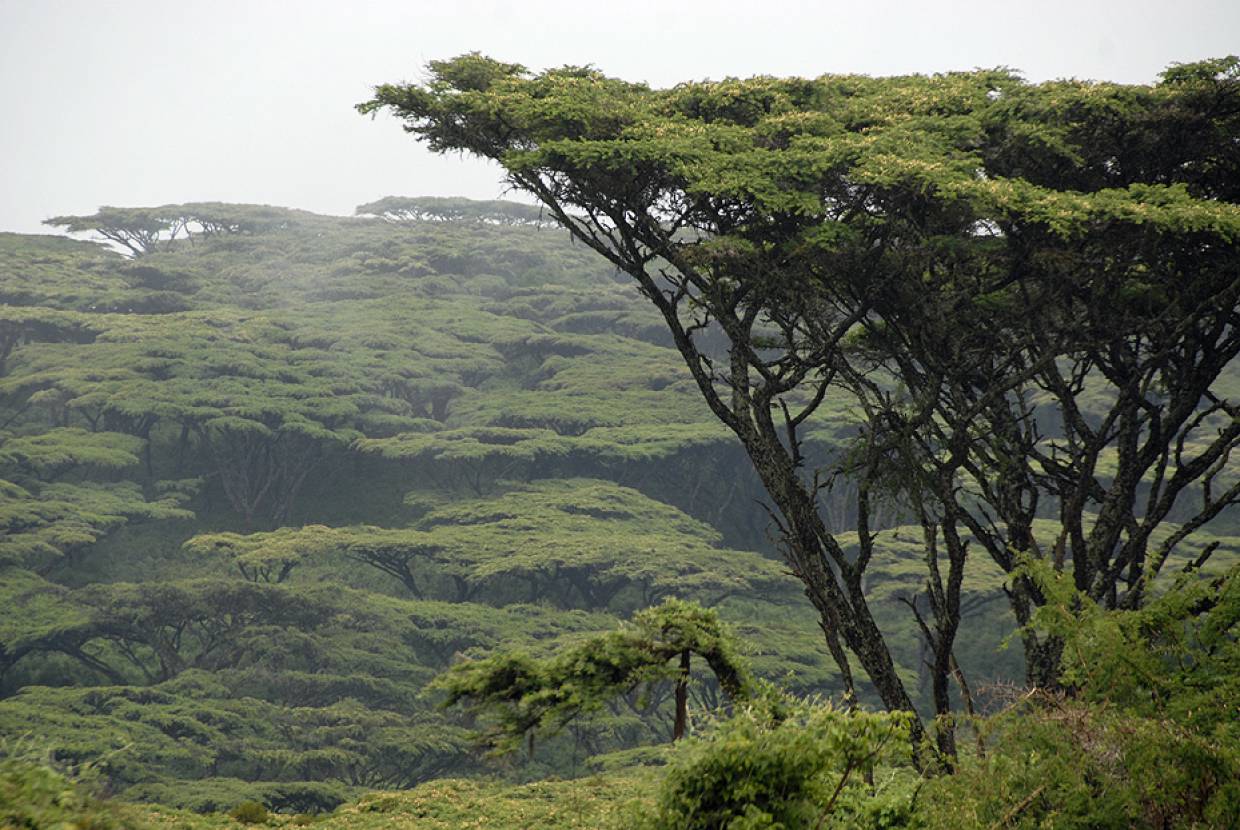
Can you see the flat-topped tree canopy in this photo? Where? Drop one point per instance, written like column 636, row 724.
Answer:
column 143, row 230
column 719, row 156
column 520, row 694
column 576, row 543
column 52, row 503
column 589, row 543
column 299, row 337
column 932, row 248
column 455, row 209
column 49, row 274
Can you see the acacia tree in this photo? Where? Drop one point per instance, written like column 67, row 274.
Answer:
column 1071, row 362
column 138, row 230
column 455, row 209
column 143, row 230
column 780, row 227
column 526, row 694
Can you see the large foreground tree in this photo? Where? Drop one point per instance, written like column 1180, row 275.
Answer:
column 1026, row 292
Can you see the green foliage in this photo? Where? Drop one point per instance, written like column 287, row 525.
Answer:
column 36, row 796
column 54, row 280
column 1148, row 740
column 784, row 763
column 889, row 240
column 1176, row 660
column 581, row 804
column 524, row 694
column 449, row 209
column 137, row 229
column 281, row 372
column 1071, row 764
column 219, row 794
column 144, row 230
column 271, row 556
column 180, row 732
column 40, row 525
column 292, row 692
column 597, row 537
column 261, row 399
column 248, row 363
column 574, row 543
column 49, row 454
column 767, row 143
column 267, row 397
column 249, row 812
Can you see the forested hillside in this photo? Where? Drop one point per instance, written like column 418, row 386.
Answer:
column 263, row 481
column 795, row 401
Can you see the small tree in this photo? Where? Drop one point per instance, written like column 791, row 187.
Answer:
column 526, row 694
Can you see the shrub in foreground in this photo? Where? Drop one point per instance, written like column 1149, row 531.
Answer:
column 35, row 796
column 1062, row 763
column 785, row 763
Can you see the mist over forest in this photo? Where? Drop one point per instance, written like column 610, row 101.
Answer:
column 836, row 452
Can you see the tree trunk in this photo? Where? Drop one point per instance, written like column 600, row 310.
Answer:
column 811, row 560
column 682, row 697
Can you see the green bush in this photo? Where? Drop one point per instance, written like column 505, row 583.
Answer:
column 218, row 795
column 35, row 796
column 783, row 764
column 250, row 812
column 1147, row 737
column 1070, row 764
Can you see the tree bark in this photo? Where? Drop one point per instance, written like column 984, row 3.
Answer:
column 682, row 697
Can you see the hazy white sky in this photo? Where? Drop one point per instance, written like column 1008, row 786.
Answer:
column 131, row 102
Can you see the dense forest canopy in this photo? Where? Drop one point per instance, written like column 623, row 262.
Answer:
column 791, row 401
column 277, row 468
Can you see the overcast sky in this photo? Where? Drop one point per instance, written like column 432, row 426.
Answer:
column 132, row 102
